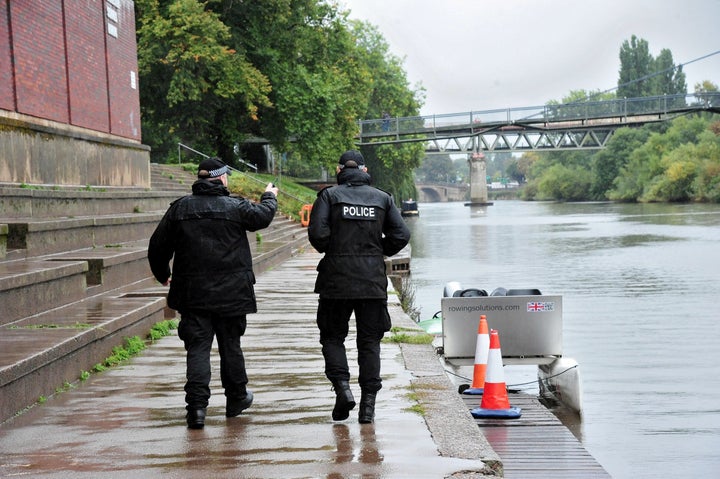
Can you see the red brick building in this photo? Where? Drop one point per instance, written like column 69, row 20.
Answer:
column 68, row 79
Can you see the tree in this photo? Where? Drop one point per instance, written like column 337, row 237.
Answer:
column 437, row 169
column 636, row 66
column 564, row 183
column 641, row 75
column 308, row 53
column 194, row 88
column 702, row 89
column 671, row 166
column 706, row 186
column 607, row 163
column 295, row 73
column 668, row 79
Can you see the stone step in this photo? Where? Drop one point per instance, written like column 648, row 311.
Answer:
column 43, row 236
column 35, row 283
column 28, row 287
column 171, row 178
column 43, row 352
column 280, row 228
column 18, row 202
column 112, row 268
column 74, row 279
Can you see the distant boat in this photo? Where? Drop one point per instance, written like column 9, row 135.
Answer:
column 409, row 208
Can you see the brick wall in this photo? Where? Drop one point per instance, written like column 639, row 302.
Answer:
column 7, row 89
column 87, row 77
column 73, row 62
column 122, row 69
column 39, row 59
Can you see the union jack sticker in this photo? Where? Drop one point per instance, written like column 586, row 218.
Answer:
column 536, row 306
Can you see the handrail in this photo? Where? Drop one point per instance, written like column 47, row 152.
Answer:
column 236, row 170
column 579, row 111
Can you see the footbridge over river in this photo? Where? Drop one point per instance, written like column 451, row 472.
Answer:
column 578, row 125
column 569, row 126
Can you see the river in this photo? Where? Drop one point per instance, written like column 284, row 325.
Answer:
column 641, row 314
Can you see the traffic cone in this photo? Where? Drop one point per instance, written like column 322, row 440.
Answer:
column 495, row 403
column 481, row 357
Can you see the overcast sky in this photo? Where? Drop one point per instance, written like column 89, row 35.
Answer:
column 488, row 54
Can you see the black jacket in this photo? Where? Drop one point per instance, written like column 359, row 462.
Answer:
column 206, row 232
column 356, row 226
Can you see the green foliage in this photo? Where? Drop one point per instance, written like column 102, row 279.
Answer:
column 297, row 73
column 678, row 165
column 606, row 163
column 565, row 183
column 162, row 329
column 409, row 338
column 191, row 78
column 643, row 75
column 291, row 198
column 436, row 168
column 675, row 182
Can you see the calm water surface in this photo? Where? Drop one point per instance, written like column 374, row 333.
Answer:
column 641, row 314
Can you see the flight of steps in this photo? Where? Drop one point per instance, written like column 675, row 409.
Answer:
column 74, row 278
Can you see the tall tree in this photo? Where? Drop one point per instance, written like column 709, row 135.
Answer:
column 320, row 88
column 642, row 75
column 669, row 79
column 636, row 66
column 194, row 87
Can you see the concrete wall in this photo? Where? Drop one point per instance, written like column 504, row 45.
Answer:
column 40, row 152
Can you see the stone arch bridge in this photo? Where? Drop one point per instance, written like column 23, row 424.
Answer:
column 441, row 192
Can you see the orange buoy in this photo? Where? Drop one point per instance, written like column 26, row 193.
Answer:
column 305, row 214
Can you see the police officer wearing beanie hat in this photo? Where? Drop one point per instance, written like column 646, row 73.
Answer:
column 355, row 225
column 205, row 236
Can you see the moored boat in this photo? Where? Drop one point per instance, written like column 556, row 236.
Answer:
column 530, row 326
column 561, row 380
column 409, row 208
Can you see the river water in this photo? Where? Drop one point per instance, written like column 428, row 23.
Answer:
column 641, row 314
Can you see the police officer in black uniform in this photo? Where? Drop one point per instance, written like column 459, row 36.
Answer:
column 212, row 281
column 356, row 225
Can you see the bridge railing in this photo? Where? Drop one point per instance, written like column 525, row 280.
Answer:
column 590, row 110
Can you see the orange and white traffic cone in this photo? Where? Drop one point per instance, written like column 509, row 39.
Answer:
column 482, row 347
column 495, row 403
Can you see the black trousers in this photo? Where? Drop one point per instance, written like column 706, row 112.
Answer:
column 197, row 330
column 372, row 321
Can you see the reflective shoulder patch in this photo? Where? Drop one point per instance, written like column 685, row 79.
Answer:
column 359, row 212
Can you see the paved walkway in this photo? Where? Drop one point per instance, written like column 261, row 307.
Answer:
column 129, row 421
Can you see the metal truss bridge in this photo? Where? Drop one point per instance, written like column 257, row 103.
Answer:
column 577, row 126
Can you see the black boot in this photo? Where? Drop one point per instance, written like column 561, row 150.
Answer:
column 344, row 400
column 235, row 406
column 367, row 408
column 195, row 418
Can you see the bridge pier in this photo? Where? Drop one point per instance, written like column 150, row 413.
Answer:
column 478, row 180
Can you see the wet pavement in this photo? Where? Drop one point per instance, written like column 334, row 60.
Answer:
column 129, row 420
